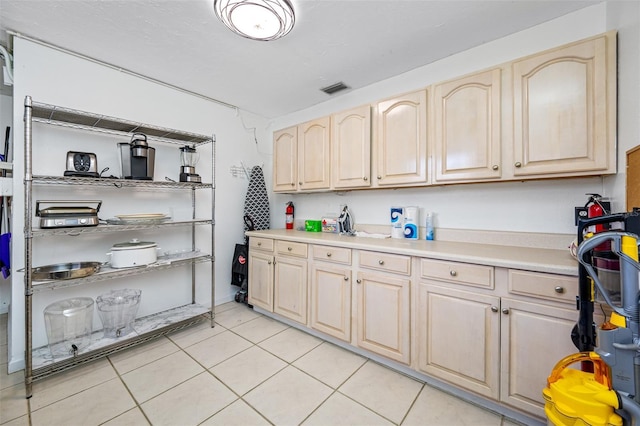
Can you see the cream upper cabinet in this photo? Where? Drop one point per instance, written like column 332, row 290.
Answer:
column 564, row 110
column 400, row 140
column 285, row 160
column 314, row 155
column 351, row 148
column 466, row 124
column 459, row 337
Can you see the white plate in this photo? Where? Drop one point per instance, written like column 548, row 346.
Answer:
column 141, row 216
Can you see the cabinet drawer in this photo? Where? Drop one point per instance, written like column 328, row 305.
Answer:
column 291, row 249
column 258, row 243
column 456, row 272
column 386, row 262
column 332, row 254
column 547, row 286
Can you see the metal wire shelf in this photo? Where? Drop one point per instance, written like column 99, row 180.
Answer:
column 109, row 273
column 114, row 228
column 75, row 119
column 118, row 183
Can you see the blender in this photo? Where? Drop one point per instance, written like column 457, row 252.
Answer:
column 188, row 159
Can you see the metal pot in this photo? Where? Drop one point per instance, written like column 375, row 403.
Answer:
column 133, row 253
column 65, row 271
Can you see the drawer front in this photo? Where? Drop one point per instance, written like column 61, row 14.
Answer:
column 386, row 262
column 332, row 254
column 561, row 288
column 289, row 248
column 257, row 243
column 459, row 273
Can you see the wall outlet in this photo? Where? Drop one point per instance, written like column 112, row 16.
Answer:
column 580, row 213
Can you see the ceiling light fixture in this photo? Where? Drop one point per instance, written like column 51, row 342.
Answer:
column 256, row 19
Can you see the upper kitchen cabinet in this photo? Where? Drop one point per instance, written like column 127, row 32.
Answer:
column 285, row 160
column 314, row 154
column 466, row 124
column 564, row 110
column 400, row 140
column 351, row 148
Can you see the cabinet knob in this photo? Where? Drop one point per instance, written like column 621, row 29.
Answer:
column 505, row 311
column 269, row 263
column 380, row 262
column 379, row 177
column 359, row 281
column 259, row 244
column 518, row 164
column 453, row 273
column 293, row 184
column 495, row 167
column 365, row 178
column 300, row 183
column 559, row 290
column 346, row 278
column 289, row 249
column 329, row 254
column 494, row 309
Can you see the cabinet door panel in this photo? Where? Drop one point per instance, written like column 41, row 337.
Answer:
column 401, row 140
column 467, row 127
column 384, row 315
column 564, row 110
column 261, row 280
column 534, row 338
column 459, row 337
column 314, row 155
column 290, row 290
column 351, row 148
column 285, row 159
column 331, row 301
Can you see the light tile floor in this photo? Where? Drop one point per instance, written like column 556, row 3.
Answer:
column 248, row 370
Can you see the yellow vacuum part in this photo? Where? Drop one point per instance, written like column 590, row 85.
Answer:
column 618, row 320
column 574, row 397
column 630, row 247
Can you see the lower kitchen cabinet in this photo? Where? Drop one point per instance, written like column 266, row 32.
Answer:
column 459, row 337
column 290, row 288
column 384, row 315
column 534, row 338
column 330, row 310
column 261, row 279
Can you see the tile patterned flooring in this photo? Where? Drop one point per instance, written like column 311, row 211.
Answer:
column 248, row 370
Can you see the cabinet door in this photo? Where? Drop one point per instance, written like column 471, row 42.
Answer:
column 351, row 148
column 331, row 300
column 564, row 110
column 534, row 338
column 401, row 140
column 285, row 160
column 290, row 290
column 459, row 337
column 466, row 124
column 261, row 280
column 384, row 315
column 314, row 154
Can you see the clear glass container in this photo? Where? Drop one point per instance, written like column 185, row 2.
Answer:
column 69, row 324
column 117, row 310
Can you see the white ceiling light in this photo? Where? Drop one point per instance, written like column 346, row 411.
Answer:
column 256, row 19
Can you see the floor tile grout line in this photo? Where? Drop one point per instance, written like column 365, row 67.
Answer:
column 135, row 400
column 415, row 399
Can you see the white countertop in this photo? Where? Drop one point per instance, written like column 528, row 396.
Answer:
column 531, row 259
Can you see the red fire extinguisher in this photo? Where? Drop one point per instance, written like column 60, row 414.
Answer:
column 289, row 215
column 595, row 209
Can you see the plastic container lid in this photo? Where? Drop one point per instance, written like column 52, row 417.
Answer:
column 69, row 307
column 134, row 245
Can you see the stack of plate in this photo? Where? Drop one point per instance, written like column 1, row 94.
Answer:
column 139, row 219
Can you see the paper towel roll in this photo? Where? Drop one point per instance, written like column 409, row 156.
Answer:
column 397, row 217
column 411, row 214
column 397, row 232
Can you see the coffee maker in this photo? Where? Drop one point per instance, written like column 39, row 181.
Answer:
column 188, row 160
column 137, row 158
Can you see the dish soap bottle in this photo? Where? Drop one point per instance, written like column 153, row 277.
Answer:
column 429, row 225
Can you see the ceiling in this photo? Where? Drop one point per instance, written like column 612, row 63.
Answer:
column 359, row 42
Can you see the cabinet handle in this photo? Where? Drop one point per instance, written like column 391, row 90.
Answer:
column 518, row 164
column 495, row 167
column 359, row 281
column 346, row 278
column 559, row 290
column 329, row 254
column 494, row 309
column 380, row 262
column 365, row 178
column 505, row 311
column 289, row 249
column 453, row 273
column 379, row 177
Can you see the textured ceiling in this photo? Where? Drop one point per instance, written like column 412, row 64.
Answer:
column 182, row 43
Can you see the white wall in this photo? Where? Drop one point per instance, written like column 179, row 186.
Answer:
column 6, row 119
column 542, row 206
column 55, row 77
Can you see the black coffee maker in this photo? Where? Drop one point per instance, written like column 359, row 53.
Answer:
column 137, row 158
